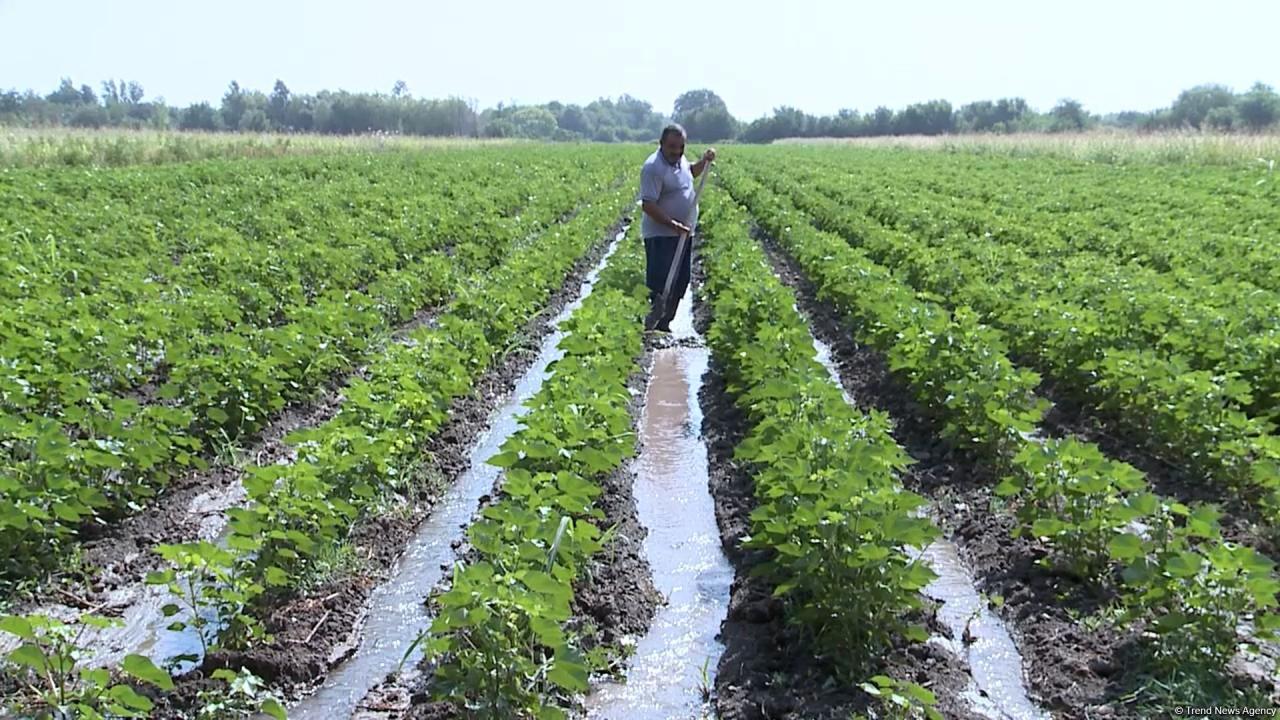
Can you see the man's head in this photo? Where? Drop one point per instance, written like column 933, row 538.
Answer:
column 672, row 143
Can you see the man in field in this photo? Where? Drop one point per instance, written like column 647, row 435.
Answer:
column 666, row 194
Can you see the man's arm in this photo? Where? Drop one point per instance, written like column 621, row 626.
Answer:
column 660, row 216
column 701, row 165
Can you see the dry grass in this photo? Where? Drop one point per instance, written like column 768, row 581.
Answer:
column 59, row 147
column 1098, row 146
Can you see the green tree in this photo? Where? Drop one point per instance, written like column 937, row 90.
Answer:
column 110, row 93
column 1067, row 116
column 499, row 128
column 88, row 116
column 233, row 106
column 66, row 94
column 928, row 118
column 200, row 116
column 704, row 116
column 534, row 122
column 575, row 120
column 278, row 105
column 1193, row 106
column 880, row 122
column 1259, row 108
column 254, row 120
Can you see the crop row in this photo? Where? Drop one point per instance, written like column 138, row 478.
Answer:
column 81, row 452
column 372, row 448
column 1192, row 221
column 1193, row 415
column 1201, row 310
column 829, row 509
column 371, row 451
column 1190, row 587
column 501, row 643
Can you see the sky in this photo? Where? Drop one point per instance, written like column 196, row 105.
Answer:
column 816, row 56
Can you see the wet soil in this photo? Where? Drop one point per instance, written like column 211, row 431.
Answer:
column 1072, row 668
column 769, row 668
column 314, row 631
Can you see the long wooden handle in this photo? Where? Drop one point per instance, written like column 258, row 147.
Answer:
column 684, row 237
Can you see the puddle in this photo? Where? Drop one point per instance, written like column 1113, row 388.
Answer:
column 142, row 624
column 396, row 612
column 980, row 638
column 665, row 676
column 997, row 689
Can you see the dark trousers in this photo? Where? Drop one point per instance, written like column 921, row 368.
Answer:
column 659, row 252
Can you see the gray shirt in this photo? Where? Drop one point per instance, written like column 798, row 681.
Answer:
column 671, row 186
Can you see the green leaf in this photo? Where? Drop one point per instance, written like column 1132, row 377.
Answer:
column 15, row 625
column 1125, row 547
column 1183, row 565
column 143, row 669
column 99, row 622
column 541, row 582
column 550, row 712
column 548, row 631
column 1007, row 487
column 129, row 698
column 567, row 674
column 29, row 656
column 504, row 459
column 1047, row 527
column 919, row 693
column 272, row 707
column 916, row 633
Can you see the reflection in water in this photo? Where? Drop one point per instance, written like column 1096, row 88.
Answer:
column 396, row 612
column 666, row 675
column 997, row 690
column 980, row 638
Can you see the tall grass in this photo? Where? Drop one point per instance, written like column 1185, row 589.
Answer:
column 58, row 147
column 1096, row 146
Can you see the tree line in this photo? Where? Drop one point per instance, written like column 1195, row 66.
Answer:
column 702, row 112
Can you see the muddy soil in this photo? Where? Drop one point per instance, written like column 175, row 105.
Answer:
column 769, row 669
column 1071, row 669
column 316, row 630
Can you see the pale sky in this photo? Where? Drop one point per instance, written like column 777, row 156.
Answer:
column 819, row 56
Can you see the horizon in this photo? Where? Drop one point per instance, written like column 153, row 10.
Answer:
column 940, row 52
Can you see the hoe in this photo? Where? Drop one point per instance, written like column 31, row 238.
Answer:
column 663, row 301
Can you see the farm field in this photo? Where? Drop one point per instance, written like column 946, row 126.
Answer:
column 353, row 432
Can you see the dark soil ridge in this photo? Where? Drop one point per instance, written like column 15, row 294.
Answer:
column 315, row 631
column 1079, row 416
column 1072, row 416
column 119, row 553
column 769, row 669
column 614, row 597
column 1070, row 669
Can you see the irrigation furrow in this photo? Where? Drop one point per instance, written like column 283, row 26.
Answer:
column 998, row 688
column 193, row 509
column 395, row 614
column 674, row 662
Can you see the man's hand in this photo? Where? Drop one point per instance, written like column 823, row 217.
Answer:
column 680, row 227
column 709, row 155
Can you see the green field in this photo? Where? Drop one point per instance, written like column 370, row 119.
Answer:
column 1070, row 351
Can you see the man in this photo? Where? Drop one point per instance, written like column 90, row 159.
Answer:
column 666, row 194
